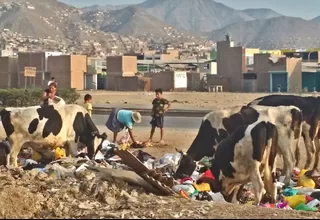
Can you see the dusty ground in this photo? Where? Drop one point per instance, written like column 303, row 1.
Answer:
column 181, row 100
column 33, row 195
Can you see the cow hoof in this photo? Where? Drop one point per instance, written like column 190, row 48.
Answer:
column 9, row 167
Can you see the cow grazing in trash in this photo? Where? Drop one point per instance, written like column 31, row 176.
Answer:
column 65, row 125
column 310, row 107
column 243, row 156
column 216, row 126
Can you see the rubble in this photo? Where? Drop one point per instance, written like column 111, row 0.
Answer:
column 80, row 188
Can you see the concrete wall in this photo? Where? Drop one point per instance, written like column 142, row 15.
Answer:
column 195, row 81
column 32, row 59
column 4, row 72
column 8, row 72
column 252, row 51
column 119, row 83
column 219, row 80
column 122, row 65
column 231, row 64
column 261, row 67
column 13, row 72
column 164, row 80
column 114, row 65
column 294, row 69
column 60, row 68
column 129, row 65
column 78, row 69
column 265, row 63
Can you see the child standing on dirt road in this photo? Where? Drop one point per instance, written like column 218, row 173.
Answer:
column 87, row 103
column 160, row 106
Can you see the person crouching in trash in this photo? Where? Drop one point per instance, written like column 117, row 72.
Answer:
column 120, row 119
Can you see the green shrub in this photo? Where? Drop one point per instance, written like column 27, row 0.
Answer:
column 31, row 97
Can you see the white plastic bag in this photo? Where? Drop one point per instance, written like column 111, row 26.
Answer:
column 171, row 159
column 125, row 138
column 217, row 197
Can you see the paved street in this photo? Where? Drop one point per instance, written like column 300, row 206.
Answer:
column 169, row 122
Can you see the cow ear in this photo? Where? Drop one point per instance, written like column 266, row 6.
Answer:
column 180, row 151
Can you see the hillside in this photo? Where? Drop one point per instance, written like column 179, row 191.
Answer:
column 35, row 18
column 317, row 19
column 194, row 15
column 132, row 21
column 261, row 13
column 103, row 8
column 279, row 32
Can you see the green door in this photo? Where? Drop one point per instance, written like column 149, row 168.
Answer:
column 308, row 81
column 318, row 81
column 279, row 81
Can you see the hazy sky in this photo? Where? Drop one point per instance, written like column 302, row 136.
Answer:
column 297, row 8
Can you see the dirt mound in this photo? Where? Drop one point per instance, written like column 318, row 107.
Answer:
column 34, row 194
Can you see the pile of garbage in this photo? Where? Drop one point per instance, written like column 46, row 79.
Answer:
column 302, row 194
column 119, row 163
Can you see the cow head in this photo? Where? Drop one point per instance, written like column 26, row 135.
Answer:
column 87, row 133
column 186, row 165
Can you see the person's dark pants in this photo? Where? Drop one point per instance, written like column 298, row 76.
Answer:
column 157, row 122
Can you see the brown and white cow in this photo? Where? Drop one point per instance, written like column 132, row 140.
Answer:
column 217, row 125
column 63, row 125
column 310, row 107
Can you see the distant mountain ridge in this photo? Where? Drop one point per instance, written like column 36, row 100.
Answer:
column 279, row 32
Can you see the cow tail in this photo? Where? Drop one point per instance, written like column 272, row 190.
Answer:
column 272, row 145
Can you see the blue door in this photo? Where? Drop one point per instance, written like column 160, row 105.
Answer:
column 279, row 82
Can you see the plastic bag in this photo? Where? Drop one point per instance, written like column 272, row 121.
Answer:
column 217, row 197
column 293, row 201
column 304, row 181
column 186, row 188
column 171, row 159
column 304, row 207
column 60, row 153
column 313, row 203
column 203, row 187
column 125, row 138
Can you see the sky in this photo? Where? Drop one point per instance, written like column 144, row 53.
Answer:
column 306, row 9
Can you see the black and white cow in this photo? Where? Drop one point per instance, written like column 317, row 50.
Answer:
column 242, row 157
column 310, row 107
column 217, row 125
column 52, row 126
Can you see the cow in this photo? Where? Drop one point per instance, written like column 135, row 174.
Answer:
column 251, row 150
column 217, row 125
column 310, row 107
column 50, row 126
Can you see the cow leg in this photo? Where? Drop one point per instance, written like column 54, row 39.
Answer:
column 258, row 186
column 317, row 154
column 288, row 160
column 71, row 149
column 309, row 148
column 234, row 199
column 297, row 156
column 14, row 155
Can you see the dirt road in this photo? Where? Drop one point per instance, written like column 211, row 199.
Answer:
column 35, row 195
column 180, row 100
